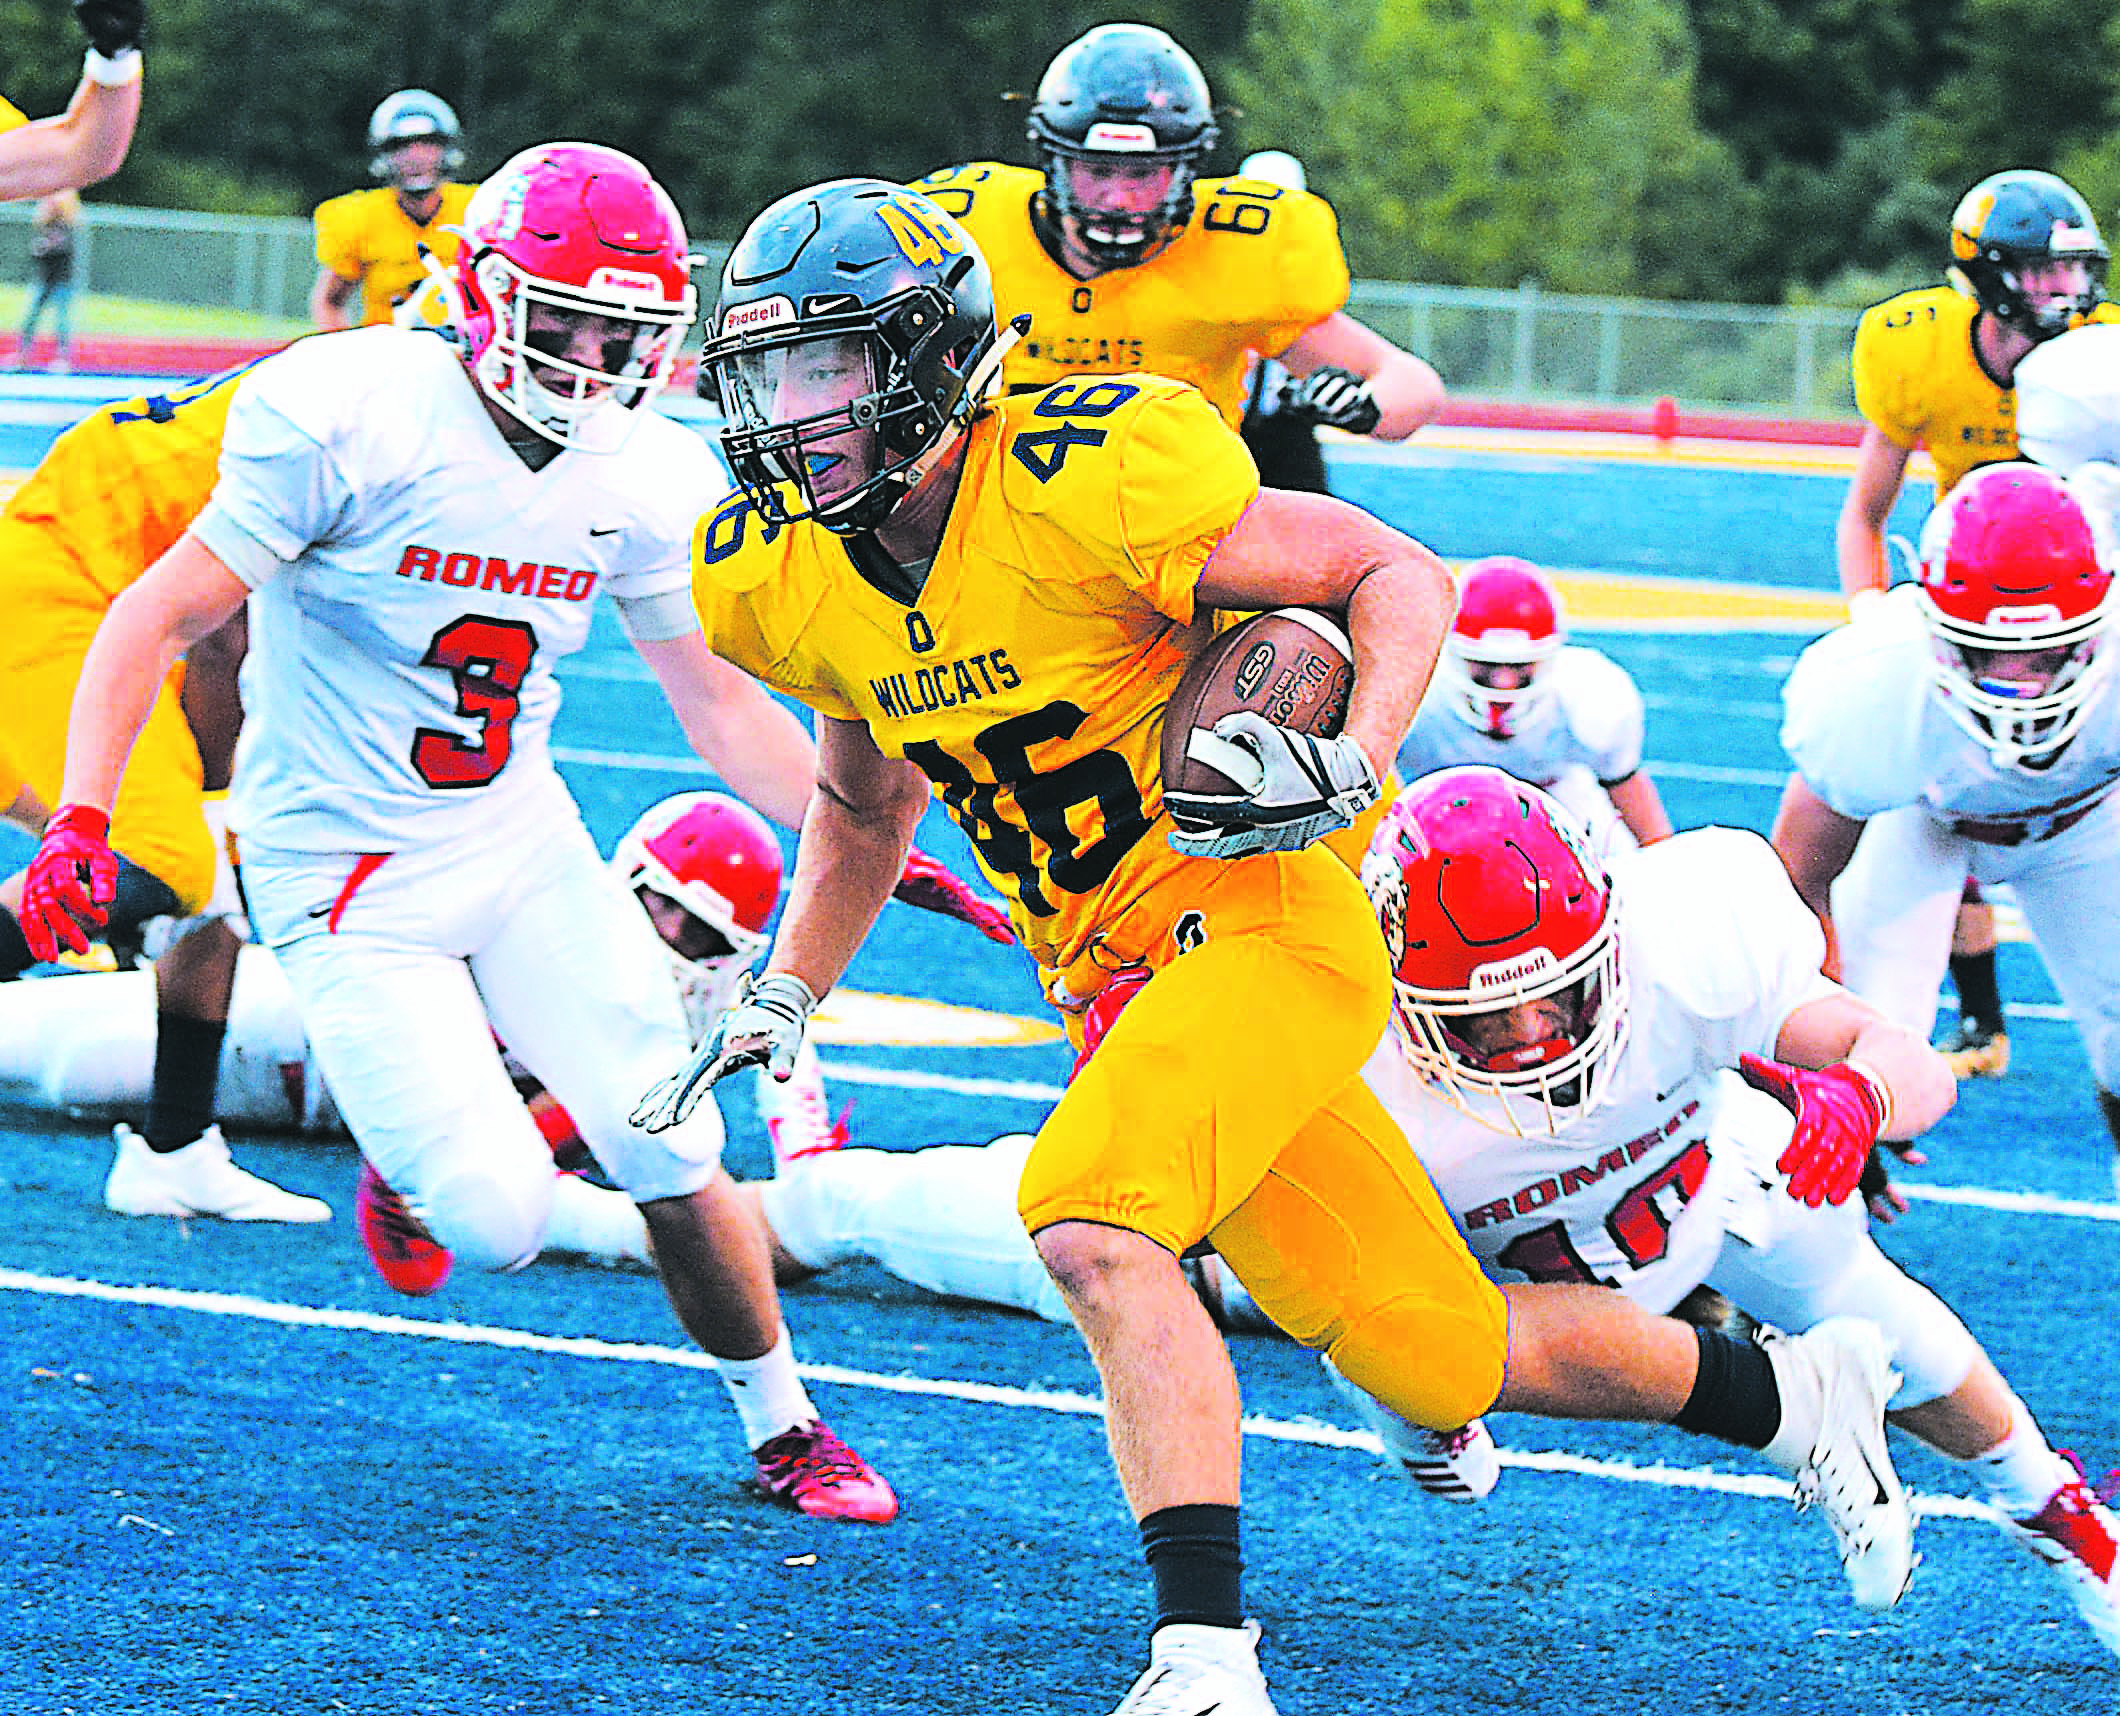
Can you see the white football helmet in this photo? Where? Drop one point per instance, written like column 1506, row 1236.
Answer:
column 720, row 860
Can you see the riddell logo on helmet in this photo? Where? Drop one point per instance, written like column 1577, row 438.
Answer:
column 766, row 313
column 2042, row 615
column 627, row 280
column 1128, row 138
column 1510, row 973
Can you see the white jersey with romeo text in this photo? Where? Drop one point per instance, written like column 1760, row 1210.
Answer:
column 1865, row 726
column 414, row 583
column 1718, row 952
column 1590, row 717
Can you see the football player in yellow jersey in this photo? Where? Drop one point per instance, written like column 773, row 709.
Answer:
column 87, row 143
column 1125, row 262
column 369, row 241
column 994, row 601
column 1934, row 368
column 115, row 491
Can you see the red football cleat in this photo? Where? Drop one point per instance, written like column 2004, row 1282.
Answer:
column 403, row 1251
column 2077, row 1536
column 809, row 1469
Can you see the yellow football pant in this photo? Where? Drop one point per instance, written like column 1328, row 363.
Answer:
column 53, row 611
column 1227, row 1104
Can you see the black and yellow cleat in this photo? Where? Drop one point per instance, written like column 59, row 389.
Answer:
column 1976, row 1050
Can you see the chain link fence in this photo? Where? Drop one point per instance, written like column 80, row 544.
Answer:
column 1526, row 344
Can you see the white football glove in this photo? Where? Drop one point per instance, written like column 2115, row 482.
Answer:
column 763, row 1027
column 1294, row 788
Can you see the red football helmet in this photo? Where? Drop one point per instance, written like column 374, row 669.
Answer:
column 2016, row 591
column 564, row 232
column 720, row 860
column 1490, row 901
column 1508, row 627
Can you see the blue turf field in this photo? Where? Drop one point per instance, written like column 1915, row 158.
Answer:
column 245, row 1478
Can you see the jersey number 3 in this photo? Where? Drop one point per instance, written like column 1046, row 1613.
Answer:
column 489, row 660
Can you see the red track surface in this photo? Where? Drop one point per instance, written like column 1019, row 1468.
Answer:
column 201, row 356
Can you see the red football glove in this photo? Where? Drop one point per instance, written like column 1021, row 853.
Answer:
column 1839, row 1111
column 929, row 884
column 1103, row 1012
column 70, row 881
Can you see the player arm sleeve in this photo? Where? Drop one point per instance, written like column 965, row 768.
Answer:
column 1312, row 274
column 338, row 246
column 1879, row 389
column 1768, row 951
column 1184, row 479
column 658, row 618
column 1618, row 726
column 279, row 489
column 2057, row 429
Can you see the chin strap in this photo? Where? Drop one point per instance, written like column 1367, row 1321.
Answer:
column 978, row 388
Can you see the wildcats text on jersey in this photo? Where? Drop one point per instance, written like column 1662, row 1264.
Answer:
column 967, row 680
column 493, row 572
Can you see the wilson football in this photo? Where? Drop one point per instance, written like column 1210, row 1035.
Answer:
column 1293, row 666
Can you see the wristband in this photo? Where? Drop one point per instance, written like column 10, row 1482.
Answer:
column 1880, row 1092
column 112, row 70
column 1863, row 600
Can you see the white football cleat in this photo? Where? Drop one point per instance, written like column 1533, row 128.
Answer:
column 2077, row 1536
column 1461, row 1465
column 1201, row 1671
column 201, row 1179
column 1835, row 1380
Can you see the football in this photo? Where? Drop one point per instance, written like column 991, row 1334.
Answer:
column 1293, row 666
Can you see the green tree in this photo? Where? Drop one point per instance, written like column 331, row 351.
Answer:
column 2030, row 88
column 1482, row 141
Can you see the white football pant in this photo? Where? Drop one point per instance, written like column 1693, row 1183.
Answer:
column 526, row 928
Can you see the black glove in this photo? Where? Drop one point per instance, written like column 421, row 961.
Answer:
column 1338, row 398
column 113, row 26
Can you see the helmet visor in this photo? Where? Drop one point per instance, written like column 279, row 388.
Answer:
column 811, row 409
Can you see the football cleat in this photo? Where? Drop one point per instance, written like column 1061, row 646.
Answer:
column 1974, row 1051
column 798, row 1114
column 1461, row 1465
column 1842, row 1367
column 812, row 1471
column 2077, row 1536
column 404, row 1253
column 201, row 1179
column 1201, row 1671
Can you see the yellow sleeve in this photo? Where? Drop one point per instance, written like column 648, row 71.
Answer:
column 1880, row 369
column 338, row 235
column 11, row 115
column 1175, row 482
column 757, row 611
column 1309, row 279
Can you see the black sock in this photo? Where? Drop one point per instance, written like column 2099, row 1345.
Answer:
column 1734, row 1397
column 2111, row 1104
column 1198, row 1566
column 187, row 1072
column 15, row 956
column 1979, row 996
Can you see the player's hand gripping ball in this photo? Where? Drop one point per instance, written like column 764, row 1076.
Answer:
column 1252, row 755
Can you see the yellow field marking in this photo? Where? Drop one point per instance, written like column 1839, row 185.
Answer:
column 849, row 1017
column 1601, row 598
